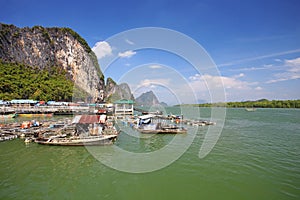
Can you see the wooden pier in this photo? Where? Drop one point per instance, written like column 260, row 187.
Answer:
column 56, row 110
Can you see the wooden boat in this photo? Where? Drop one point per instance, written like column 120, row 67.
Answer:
column 161, row 131
column 83, row 131
column 4, row 137
column 164, row 130
column 77, row 141
column 9, row 116
column 35, row 115
column 151, row 124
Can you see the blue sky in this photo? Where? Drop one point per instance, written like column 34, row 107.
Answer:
column 254, row 44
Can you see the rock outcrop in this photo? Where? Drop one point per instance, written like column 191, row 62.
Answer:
column 115, row 92
column 46, row 47
column 149, row 99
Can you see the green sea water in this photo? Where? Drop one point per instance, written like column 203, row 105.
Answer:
column 256, row 157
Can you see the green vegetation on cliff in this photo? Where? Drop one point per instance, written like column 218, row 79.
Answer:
column 18, row 81
column 114, row 97
column 10, row 34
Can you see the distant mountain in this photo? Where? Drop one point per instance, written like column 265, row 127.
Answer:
column 163, row 104
column 148, row 99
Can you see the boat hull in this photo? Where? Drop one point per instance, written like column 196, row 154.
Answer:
column 250, row 109
column 91, row 141
column 35, row 114
column 9, row 116
column 164, row 131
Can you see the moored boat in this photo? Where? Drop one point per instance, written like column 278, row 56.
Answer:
column 152, row 124
column 78, row 141
column 164, row 130
column 250, row 109
column 84, row 130
column 9, row 116
column 35, row 114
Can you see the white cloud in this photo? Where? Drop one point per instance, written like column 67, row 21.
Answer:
column 276, row 80
column 155, row 66
column 129, row 42
column 151, row 82
column 264, row 67
column 233, row 86
column 127, row 54
column 258, row 58
column 102, row 49
column 217, row 81
column 292, row 71
column 239, row 75
column 294, row 64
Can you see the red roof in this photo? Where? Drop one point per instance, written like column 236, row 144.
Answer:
column 89, row 119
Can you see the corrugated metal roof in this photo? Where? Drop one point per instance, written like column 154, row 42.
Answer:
column 89, row 119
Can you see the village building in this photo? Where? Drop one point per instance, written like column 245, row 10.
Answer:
column 123, row 107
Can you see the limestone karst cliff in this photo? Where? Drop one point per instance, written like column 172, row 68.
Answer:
column 52, row 49
column 149, row 99
column 115, row 92
column 47, row 47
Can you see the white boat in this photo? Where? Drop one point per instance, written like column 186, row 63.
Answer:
column 164, row 130
column 77, row 141
column 84, row 130
column 250, row 109
column 146, row 124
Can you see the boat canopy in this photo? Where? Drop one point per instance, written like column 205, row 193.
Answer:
column 143, row 117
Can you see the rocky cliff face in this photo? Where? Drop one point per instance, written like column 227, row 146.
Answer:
column 45, row 47
column 147, row 99
column 115, row 92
